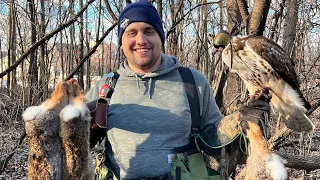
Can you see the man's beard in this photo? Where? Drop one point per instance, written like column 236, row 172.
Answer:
column 147, row 64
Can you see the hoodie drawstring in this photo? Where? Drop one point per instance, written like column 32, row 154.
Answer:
column 150, row 84
column 138, row 83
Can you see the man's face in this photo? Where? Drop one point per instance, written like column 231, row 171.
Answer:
column 142, row 46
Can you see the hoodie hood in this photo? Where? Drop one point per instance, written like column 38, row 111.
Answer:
column 168, row 64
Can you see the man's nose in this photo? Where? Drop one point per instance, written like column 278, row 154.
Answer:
column 141, row 38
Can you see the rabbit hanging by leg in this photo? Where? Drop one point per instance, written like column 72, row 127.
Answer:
column 75, row 123
column 58, row 136
column 261, row 164
column 42, row 129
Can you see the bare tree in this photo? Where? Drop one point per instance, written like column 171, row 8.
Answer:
column 159, row 7
column 11, row 80
column 72, row 45
column 88, row 69
column 289, row 33
column 81, row 51
column 259, row 16
column 204, row 39
column 33, row 67
column 42, row 65
column 275, row 26
column 61, row 49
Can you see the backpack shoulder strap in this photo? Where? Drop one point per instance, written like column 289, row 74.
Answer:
column 193, row 98
column 111, row 82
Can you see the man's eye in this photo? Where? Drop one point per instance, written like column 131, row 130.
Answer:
column 150, row 32
column 131, row 33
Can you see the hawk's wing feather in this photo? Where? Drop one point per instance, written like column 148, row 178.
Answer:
column 279, row 61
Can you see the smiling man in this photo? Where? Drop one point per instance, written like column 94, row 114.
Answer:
column 141, row 45
column 141, row 36
column 149, row 114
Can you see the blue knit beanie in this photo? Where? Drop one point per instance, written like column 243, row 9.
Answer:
column 141, row 11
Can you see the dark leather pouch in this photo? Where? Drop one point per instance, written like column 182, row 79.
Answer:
column 98, row 110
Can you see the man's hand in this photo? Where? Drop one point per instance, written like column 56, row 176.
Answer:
column 256, row 109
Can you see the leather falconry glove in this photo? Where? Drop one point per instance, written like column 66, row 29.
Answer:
column 256, row 109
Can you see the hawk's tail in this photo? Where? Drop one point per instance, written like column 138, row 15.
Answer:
column 307, row 105
column 299, row 122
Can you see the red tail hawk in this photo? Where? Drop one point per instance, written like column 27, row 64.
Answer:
column 262, row 63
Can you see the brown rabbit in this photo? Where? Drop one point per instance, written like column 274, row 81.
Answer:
column 52, row 156
column 75, row 123
column 261, row 163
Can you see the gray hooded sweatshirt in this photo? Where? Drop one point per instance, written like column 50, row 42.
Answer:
column 149, row 115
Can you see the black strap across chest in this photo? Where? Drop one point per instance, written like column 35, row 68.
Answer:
column 193, row 98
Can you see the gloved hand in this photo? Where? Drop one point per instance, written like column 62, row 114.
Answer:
column 256, row 110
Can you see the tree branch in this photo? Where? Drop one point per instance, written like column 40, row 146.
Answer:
column 175, row 24
column 307, row 163
column 313, row 108
column 109, row 9
column 83, row 60
column 45, row 38
column 279, row 137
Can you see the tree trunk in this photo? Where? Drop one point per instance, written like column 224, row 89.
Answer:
column 289, row 33
column 173, row 38
column 204, row 40
column 88, row 76
column 308, row 163
column 43, row 81
column 181, row 52
column 72, row 50
column 61, row 52
column 221, row 16
column 81, row 39
column 227, row 90
column 102, row 54
column 243, row 9
column 198, row 43
column 33, row 68
column 159, row 7
column 259, row 16
column 234, row 16
column 97, row 38
column 99, row 22
column 275, row 24
column 11, row 79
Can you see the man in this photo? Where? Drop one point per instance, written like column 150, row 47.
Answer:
column 149, row 113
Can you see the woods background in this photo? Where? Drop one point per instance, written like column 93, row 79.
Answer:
column 43, row 42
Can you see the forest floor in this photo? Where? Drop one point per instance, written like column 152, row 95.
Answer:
column 17, row 167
